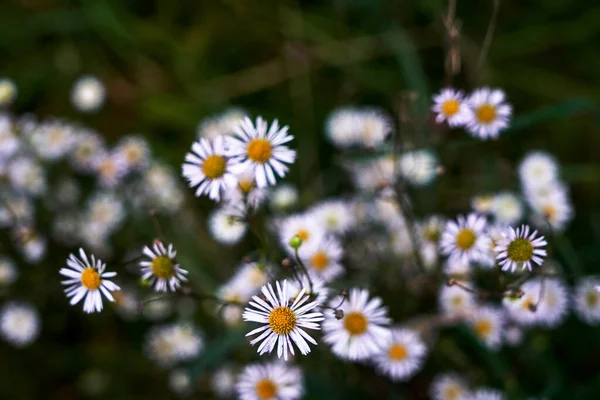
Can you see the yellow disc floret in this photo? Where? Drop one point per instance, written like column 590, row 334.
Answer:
column 397, row 352
column 266, row 389
column 465, row 239
column 520, row 250
column 319, row 260
column 355, row 323
column 450, row 107
column 282, row 320
column 163, row 267
column 483, row 328
column 486, row 114
column 214, row 166
column 90, row 279
column 259, row 150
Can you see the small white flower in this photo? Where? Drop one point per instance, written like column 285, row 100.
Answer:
column 362, row 332
column 304, row 226
column 323, row 259
column 208, row 168
column 482, row 204
column 487, row 324
column 284, row 197
column 8, row 91
column 343, row 127
column 245, row 192
column 27, row 176
column 162, row 270
column 223, row 382
column 180, row 382
column 260, row 150
column 586, row 300
column 111, row 168
column 554, row 303
column 284, row 323
column 538, row 169
column 87, row 152
column 270, row 381
column 419, row 167
column 336, row 216
column 490, row 113
column 402, row 355
column 8, row 271
column 555, row 209
column 543, row 303
column 87, row 94
column 449, row 387
column 104, row 213
column 33, row 248
column 507, row 208
column 19, row 324
column 52, row 140
column 513, row 336
column 488, row 394
column 135, row 151
column 227, row 225
column 170, row 344
column 375, row 126
column 89, row 280
column 449, row 105
column 464, row 240
column 518, row 249
column 9, row 142
column 456, row 301
column 375, row 174
column 220, row 124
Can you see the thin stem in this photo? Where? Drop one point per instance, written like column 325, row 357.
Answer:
column 487, row 41
column 157, row 226
column 304, row 269
column 409, row 217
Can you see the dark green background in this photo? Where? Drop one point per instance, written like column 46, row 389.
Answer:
column 168, row 64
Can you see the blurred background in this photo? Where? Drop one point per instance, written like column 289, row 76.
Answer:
column 167, row 65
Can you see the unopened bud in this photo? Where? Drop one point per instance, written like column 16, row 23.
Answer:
column 296, row 242
column 286, row 262
column 339, row 314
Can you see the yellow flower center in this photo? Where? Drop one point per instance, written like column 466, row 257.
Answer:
column 452, row 393
column 246, row 185
column 591, row 299
column 320, row 261
column 266, row 389
column 520, row 250
column 549, row 211
column 303, row 234
column 397, row 352
column 450, row 107
column 456, row 301
column 355, row 323
column 483, row 328
column 214, row 166
column 259, row 150
column 282, row 320
column 465, row 239
column 163, row 267
column 486, row 114
column 90, row 279
column 133, row 154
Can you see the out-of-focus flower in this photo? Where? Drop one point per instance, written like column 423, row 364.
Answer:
column 449, row 387
column 402, row 355
column 8, row 271
column 586, row 300
column 270, row 381
column 135, row 152
column 88, row 94
column 507, row 208
column 8, row 91
column 19, row 324
column 490, row 113
column 284, row 197
column 487, row 324
column 323, row 258
column 419, row 167
column 227, row 225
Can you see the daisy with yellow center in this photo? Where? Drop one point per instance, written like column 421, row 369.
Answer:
column 283, row 321
column 323, row 259
column 304, row 226
column 246, row 193
column 111, row 168
column 519, row 249
column 270, row 381
column 449, row 105
column 587, row 300
column 487, row 324
column 362, row 332
column 87, row 280
column 490, row 114
column 464, row 240
column 209, row 168
column 449, row 387
column 135, row 151
column 402, row 356
column 455, row 301
column 261, row 149
column 162, row 270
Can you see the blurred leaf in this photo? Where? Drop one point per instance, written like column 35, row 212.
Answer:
column 560, row 110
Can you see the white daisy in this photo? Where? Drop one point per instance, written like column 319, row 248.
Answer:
column 104, row 213
column 19, row 323
column 161, row 188
column 555, row 209
column 513, row 335
column 87, row 94
column 554, row 304
column 227, row 225
column 27, row 176
column 284, row 197
column 282, row 321
column 111, row 168
column 87, row 280
column 490, row 113
column 162, row 270
column 88, row 149
column 270, row 381
column 362, row 331
column 430, row 230
column 456, row 301
column 9, row 142
column 260, row 150
column 419, row 167
column 250, row 277
column 538, row 169
column 323, row 259
column 221, row 124
column 449, row 387
column 8, row 271
column 135, row 151
column 464, row 240
column 482, row 204
column 507, row 208
column 586, row 300
column 488, row 394
column 336, row 216
column 375, row 126
column 8, row 91
column 318, row 289
column 449, row 105
column 52, row 140
column 343, row 127
column 223, row 382
column 487, row 324
column 208, row 168
column 376, row 174
column 518, row 249
column 402, row 355
column 303, row 226
column 245, row 192
column 33, row 247
column 168, row 344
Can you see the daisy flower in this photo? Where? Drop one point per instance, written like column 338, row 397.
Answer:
column 304, row 226
column 507, row 208
column 586, row 300
column 9, row 142
column 19, row 324
column 449, row 105
column 554, row 303
column 490, row 113
column 227, row 225
column 8, row 91
column 208, row 168
column 282, row 321
column 343, row 127
column 223, row 382
column 245, row 192
column 323, row 259
column 52, row 140
column 538, row 169
column 335, row 215
column 135, row 151
column 87, row 280
column 284, row 197
column 518, row 249
column 88, row 149
column 402, row 355
column 8, row 271
column 555, row 209
column 260, row 150
column 362, row 332
column 419, row 167
column 111, row 168
column 375, row 126
column 319, row 289
column 270, row 381
column 449, row 387
column 27, row 176
column 483, row 204
column 168, row 344
column 464, row 240
column 488, row 394
column 221, row 124
column 454, row 300
column 487, row 323
column 162, row 270
column 88, row 94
